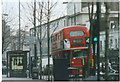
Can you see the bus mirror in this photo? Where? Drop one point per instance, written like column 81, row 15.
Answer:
column 66, row 43
column 87, row 40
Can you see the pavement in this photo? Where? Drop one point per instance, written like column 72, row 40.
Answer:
column 4, row 77
column 93, row 78
column 13, row 79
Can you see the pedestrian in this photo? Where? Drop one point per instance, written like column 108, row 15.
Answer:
column 27, row 73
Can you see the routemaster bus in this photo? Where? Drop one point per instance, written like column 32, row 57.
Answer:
column 72, row 43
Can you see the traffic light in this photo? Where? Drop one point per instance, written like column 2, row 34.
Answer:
column 95, row 32
column 95, row 39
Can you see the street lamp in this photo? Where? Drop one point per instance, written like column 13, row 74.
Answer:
column 19, row 28
column 4, row 15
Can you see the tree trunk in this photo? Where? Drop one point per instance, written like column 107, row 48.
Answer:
column 90, row 39
column 107, row 42
column 40, row 41
column 35, row 49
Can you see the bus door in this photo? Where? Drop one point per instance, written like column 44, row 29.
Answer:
column 78, row 56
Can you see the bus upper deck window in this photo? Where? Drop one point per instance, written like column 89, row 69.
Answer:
column 76, row 33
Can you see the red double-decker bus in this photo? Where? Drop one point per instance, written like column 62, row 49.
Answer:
column 72, row 43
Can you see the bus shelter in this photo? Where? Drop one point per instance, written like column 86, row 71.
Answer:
column 17, row 63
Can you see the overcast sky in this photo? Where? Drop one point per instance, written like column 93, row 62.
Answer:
column 11, row 7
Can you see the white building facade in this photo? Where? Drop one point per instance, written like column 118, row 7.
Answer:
column 77, row 14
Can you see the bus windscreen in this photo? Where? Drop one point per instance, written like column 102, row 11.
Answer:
column 79, row 54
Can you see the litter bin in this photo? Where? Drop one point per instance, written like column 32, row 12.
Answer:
column 35, row 73
column 60, row 71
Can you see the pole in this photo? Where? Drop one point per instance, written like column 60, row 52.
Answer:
column 19, row 28
column 7, row 64
column 48, row 30
column 119, row 35
column 35, row 52
column 98, row 36
column 94, row 58
column 29, row 65
column 41, row 44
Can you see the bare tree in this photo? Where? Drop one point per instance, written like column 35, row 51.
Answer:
column 90, row 40
column 50, row 6
column 44, row 10
column 5, row 36
column 40, row 32
column 8, row 24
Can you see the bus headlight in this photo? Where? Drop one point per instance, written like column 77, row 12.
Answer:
column 72, row 62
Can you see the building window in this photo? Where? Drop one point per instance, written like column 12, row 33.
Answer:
column 112, row 25
column 111, row 43
column 72, row 21
column 54, row 38
column 100, row 45
column 61, row 35
column 115, row 6
column 104, row 44
column 116, row 43
column 84, row 7
column 64, row 22
column 58, row 36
